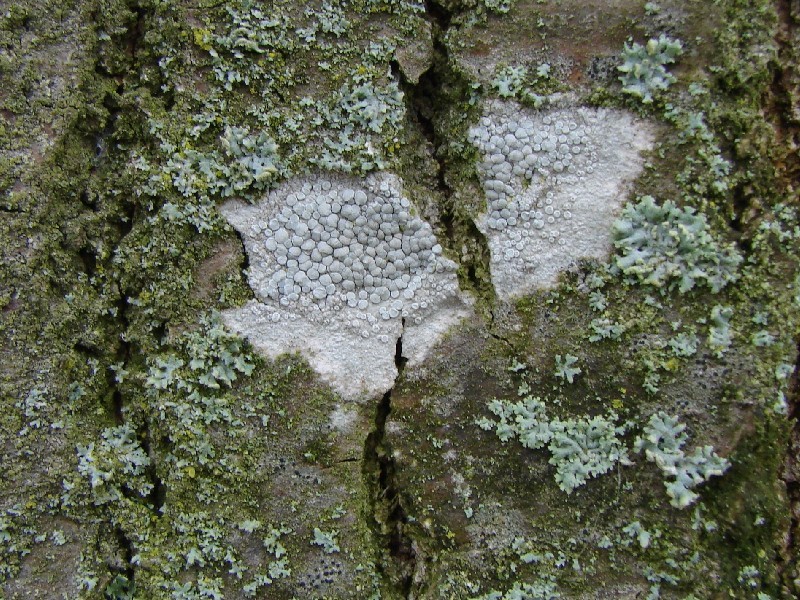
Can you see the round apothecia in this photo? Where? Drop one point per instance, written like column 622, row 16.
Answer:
column 335, row 245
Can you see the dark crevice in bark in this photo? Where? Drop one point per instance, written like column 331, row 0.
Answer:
column 88, row 260
column 136, row 31
column 779, row 105
column 784, row 113
column 782, row 105
column 87, row 201
column 244, row 264
column 160, row 331
column 127, row 219
column 742, row 206
column 128, row 571
column 158, row 492
column 439, row 14
column 789, row 567
column 785, row 77
column 108, row 144
column 497, row 336
column 123, row 354
column 118, row 407
column 388, row 519
column 87, row 350
column 430, row 102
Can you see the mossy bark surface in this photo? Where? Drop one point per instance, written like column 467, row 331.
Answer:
column 150, row 451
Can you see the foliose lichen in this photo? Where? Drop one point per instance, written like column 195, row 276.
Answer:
column 662, row 442
column 643, row 67
column 524, row 591
column 667, row 246
column 115, row 466
column 580, row 448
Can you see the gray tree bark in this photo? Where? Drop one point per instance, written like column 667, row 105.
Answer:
column 394, row 299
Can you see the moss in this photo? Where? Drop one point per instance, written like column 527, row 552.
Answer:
column 750, row 507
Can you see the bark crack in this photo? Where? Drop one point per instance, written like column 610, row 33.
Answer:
column 123, row 353
column 397, row 562
column 790, row 565
column 787, row 33
column 782, row 109
column 784, row 91
column 124, row 582
column 436, row 103
column 497, row 336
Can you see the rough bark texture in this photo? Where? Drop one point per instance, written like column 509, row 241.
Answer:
column 616, row 416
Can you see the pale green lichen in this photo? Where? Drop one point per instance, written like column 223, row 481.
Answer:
column 707, row 173
column 188, row 395
column 541, row 590
column 114, row 466
column 643, row 67
column 255, row 158
column 635, row 531
column 605, row 329
column 498, row 6
column 684, row 345
column 33, row 406
column 15, row 539
column 361, row 120
column 508, row 81
column 580, row 448
column 250, row 48
column 565, row 367
column 517, row 82
column 585, row 448
column 720, row 334
column 662, row 441
column 667, row 246
column 326, row 539
column 248, row 162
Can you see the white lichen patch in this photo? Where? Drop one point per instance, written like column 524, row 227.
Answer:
column 343, row 419
column 554, row 182
column 341, row 268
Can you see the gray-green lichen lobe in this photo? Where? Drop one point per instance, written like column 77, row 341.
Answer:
column 149, row 454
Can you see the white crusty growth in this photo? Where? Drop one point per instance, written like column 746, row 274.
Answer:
column 340, row 269
column 554, row 181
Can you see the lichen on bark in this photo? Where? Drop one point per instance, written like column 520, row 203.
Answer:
column 149, row 452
